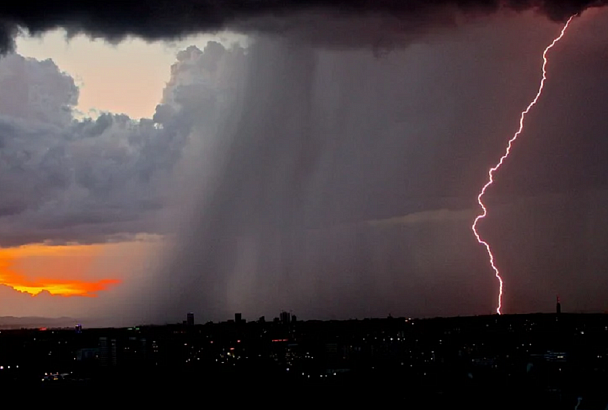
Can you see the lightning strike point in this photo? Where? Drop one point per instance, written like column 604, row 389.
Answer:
column 524, row 113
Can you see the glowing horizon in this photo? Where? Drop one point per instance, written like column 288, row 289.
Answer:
column 64, row 268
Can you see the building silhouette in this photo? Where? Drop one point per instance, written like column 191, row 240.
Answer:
column 285, row 317
column 108, row 351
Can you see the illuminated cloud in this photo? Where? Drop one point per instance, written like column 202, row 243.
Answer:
column 57, row 286
column 67, row 180
column 55, row 269
column 84, row 189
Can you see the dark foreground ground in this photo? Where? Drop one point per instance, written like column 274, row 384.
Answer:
column 490, row 362
column 275, row 390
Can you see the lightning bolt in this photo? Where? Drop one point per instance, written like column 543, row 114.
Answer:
column 522, row 119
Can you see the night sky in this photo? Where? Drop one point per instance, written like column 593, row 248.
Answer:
column 330, row 167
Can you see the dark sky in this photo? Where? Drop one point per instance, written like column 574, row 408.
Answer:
column 334, row 172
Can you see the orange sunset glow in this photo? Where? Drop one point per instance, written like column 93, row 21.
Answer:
column 58, row 270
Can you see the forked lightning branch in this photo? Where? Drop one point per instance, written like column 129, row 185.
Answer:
column 503, row 158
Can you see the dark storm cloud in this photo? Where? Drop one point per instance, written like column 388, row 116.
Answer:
column 165, row 19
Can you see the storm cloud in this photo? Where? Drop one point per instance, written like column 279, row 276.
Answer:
column 330, row 22
column 65, row 179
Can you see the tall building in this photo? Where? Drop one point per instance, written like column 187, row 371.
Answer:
column 238, row 317
column 108, row 351
column 104, row 351
column 558, row 307
column 285, row 317
column 190, row 319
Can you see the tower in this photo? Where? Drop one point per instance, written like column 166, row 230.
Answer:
column 558, row 306
column 190, row 319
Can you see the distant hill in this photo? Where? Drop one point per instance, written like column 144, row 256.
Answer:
column 11, row 322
